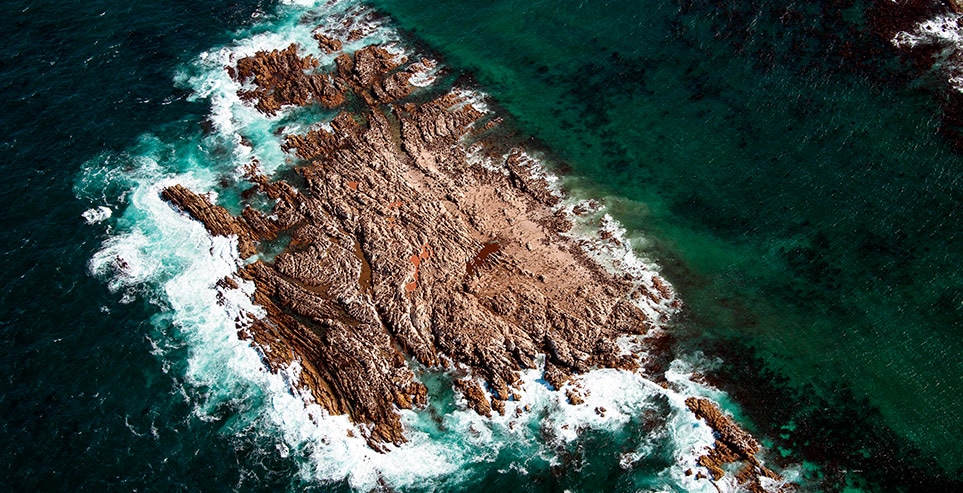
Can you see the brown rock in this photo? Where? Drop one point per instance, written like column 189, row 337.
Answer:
column 499, row 405
column 327, row 44
column 217, row 220
column 741, row 442
column 555, row 375
column 662, row 287
column 281, row 78
column 574, row 398
column 227, row 283
column 733, row 445
column 475, row 396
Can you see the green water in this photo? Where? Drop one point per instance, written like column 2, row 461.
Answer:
column 803, row 206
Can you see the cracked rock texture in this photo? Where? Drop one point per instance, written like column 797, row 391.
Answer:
column 401, row 249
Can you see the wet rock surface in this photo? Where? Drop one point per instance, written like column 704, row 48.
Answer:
column 733, row 446
column 218, row 220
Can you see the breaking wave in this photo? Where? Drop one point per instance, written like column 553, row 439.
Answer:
column 945, row 33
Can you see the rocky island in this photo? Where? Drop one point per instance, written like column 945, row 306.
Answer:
column 421, row 237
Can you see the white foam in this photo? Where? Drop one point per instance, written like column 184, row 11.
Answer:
column 538, row 171
column 121, row 261
column 605, row 240
column 475, row 156
column 945, row 31
column 425, row 73
column 97, row 214
column 301, row 3
column 474, row 98
column 612, row 398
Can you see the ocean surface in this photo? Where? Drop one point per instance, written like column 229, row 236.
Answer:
column 779, row 163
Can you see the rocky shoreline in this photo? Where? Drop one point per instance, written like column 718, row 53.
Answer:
column 403, row 249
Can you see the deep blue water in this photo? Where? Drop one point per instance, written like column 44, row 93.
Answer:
column 801, row 202
column 84, row 404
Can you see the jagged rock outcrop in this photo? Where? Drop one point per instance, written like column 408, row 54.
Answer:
column 328, row 44
column 280, row 78
column 218, row 220
column 475, row 396
column 733, row 445
column 399, row 248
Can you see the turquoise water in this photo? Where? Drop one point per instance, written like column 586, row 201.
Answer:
column 778, row 162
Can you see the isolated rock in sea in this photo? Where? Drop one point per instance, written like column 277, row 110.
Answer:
column 328, row 44
column 402, row 249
